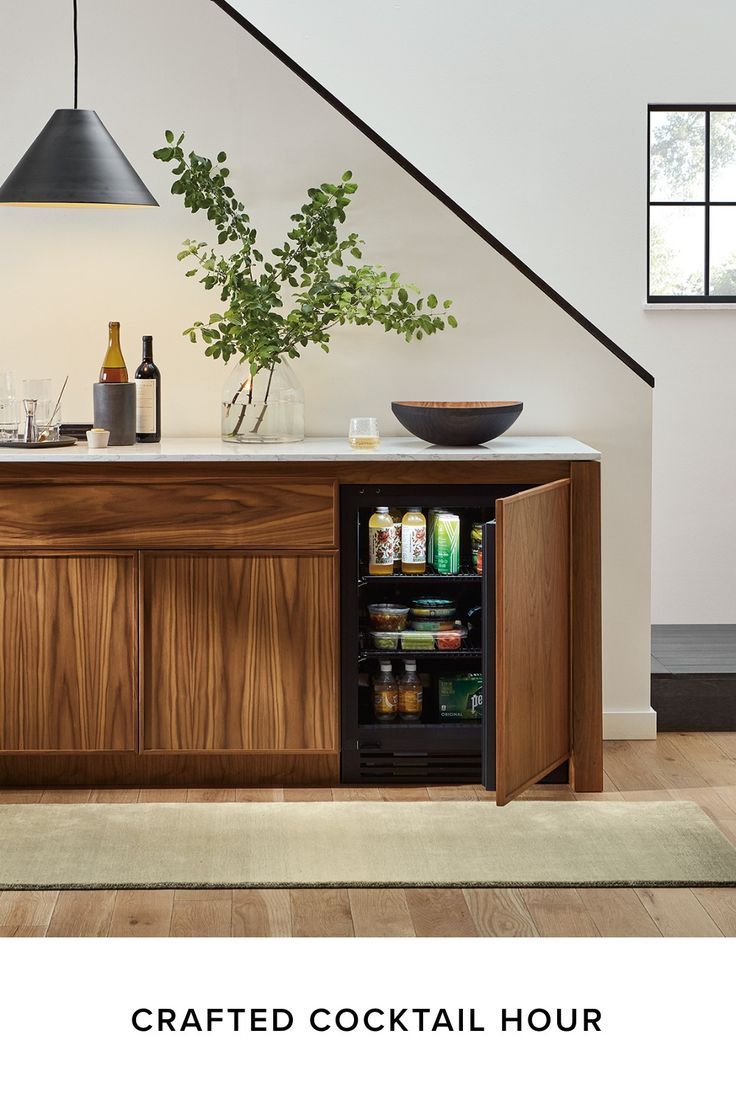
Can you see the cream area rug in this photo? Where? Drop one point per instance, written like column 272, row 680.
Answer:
column 368, row 843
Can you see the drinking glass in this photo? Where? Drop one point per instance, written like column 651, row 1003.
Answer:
column 45, row 397
column 363, row 433
column 8, row 407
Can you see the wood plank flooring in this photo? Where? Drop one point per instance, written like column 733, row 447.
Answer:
column 688, row 766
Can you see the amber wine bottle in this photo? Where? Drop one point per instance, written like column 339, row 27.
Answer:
column 113, row 368
column 147, row 397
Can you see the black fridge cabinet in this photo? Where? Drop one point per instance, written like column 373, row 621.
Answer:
column 429, row 751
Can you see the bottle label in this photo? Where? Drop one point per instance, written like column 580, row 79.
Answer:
column 410, row 699
column 381, row 546
column 145, row 406
column 414, row 544
column 385, row 700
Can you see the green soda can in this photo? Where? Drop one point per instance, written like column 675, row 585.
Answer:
column 431, row 522
column 447, row 543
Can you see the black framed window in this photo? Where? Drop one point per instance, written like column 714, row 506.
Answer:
column 691, row 224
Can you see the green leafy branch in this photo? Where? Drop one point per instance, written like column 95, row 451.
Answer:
column 314, row 267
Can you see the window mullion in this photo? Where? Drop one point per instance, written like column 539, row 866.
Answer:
column 706, row 287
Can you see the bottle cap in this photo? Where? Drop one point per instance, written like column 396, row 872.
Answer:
column 386, row 665
column 410, row 664
column 381, row 509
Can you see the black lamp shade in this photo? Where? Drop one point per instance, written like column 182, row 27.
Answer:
column 75, row 162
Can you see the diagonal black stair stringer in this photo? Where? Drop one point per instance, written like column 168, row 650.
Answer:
column 420, row 177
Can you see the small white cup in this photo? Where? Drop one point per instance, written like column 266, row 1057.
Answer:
column 98, row 438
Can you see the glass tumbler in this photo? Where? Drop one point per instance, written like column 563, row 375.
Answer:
column 47, row 421
column 363, row 433
column 9, row 415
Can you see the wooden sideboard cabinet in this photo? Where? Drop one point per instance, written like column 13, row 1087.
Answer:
column 194, row 623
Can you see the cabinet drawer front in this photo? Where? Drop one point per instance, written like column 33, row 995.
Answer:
column 68, row 653
column 240, row 653
column 158, row 512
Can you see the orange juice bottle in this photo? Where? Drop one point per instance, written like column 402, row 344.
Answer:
column 413, row 541
column 381, row 542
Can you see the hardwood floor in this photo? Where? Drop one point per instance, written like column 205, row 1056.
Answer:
column 690, row 766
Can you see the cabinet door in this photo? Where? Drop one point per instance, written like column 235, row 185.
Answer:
column 68, row 653
column 240, row 653
column 531, row 595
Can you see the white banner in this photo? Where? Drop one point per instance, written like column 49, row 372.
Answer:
column 366, row 1019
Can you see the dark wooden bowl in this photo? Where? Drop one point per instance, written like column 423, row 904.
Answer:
column 457, row 424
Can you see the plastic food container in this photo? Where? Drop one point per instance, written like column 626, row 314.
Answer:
column 417, row 641
column 430, row 624
column 449, row 639
column 425, row 608
column 385, row 641
column 388, row 618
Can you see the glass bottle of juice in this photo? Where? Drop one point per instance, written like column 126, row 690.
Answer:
column 385, row 694
column 381, row 542
column 410, row 692
column 413, row 542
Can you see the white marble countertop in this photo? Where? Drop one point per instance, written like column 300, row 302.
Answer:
column 314, row 449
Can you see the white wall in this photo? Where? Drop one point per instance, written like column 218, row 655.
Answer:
column 187, row 66
column 533, row 116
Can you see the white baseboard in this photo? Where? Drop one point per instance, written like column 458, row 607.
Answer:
column 630, row 725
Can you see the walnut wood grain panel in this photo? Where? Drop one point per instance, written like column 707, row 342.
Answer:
column 586, row 765
column 68, row 670
column 149, row 509
column 240, row 653
column 344, row 472
column 532, row 636
column 180, row 771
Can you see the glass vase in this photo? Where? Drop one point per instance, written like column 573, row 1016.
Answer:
column 265, row 408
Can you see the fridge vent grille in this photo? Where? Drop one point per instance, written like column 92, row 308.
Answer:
column 387, row 766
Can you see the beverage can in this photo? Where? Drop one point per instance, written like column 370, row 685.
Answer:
column 431, row 521
column 447, row 544
column 476, row 546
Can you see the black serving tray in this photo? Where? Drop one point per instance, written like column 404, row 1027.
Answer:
column 62, row 442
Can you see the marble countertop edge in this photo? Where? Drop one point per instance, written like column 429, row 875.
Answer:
column 312, row 449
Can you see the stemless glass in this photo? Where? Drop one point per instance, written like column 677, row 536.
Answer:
column 45, row 397
column 363, row 433
column 8, row 407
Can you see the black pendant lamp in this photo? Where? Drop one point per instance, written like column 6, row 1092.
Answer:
column 75, row 162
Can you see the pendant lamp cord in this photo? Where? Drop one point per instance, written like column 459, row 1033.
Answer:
column 76, row 56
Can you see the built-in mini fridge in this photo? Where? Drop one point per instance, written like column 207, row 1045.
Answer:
column 455, row 739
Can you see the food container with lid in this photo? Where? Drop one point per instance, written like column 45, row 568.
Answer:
column 449, row 639
column 417, row 641
column 430, row 624
column 426, row 608
column 387, row 617
column 385, row 641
